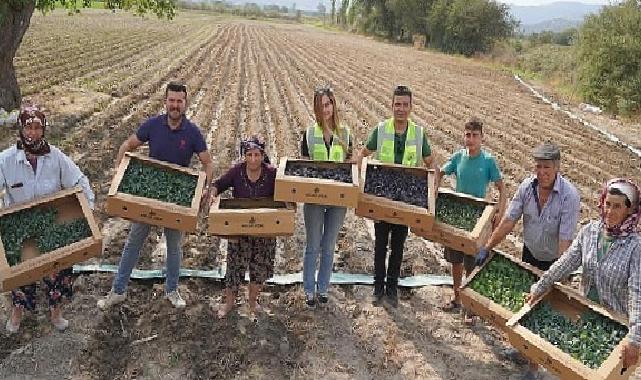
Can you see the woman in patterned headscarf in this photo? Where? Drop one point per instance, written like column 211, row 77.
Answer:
column 30, row 169
column 252, row 178
column 610, row 251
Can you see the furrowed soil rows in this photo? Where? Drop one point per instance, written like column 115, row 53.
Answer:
column 248, row 77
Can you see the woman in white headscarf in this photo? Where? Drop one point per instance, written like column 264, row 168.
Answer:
column 609, row 249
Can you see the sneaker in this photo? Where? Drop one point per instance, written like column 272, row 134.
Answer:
column 110, row 300
column 11, row 328
column 60, row 324
column 310, row 301
column 392, row 296
column 379, row 292
column 323, row 298
column 175, row 299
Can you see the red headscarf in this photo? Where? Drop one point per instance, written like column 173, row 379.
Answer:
column 629, row 225
column 37, row 147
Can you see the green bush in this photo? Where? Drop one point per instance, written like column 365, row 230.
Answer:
column 39, row 224
column 468, row 26
column 166, row 185
column 609, row 57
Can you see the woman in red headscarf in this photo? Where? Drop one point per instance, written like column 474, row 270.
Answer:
column 609, row 249
column 29, row 169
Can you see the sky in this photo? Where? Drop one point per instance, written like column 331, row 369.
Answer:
column 541, row 2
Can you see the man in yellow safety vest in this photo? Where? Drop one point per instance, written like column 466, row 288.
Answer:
column 397, row 141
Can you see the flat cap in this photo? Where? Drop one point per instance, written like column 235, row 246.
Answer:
column 547, row 151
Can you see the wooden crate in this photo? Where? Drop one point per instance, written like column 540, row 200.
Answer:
column 71, row 204
column 251, row 217
column 563, row 365
column 484, row 307
column 383, row 209
column 291, row 188
column 152, row 211
column 468, row 242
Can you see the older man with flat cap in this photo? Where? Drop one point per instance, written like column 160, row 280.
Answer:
column 550, row 206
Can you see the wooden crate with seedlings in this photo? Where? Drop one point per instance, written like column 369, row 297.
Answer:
column 463, row 222
column 320, row 182
column 572, row 337
column 156, row 192
column 44, row 236
column 496, row 290
column 251, row 217
column 397, row 194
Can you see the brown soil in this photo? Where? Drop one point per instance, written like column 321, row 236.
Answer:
column 251, row 77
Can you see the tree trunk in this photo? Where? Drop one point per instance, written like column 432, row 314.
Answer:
column 15, row 17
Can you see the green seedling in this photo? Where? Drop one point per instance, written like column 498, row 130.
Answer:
column 458, row 213
column 153, row 182
column 504, row 282
column 590, row 339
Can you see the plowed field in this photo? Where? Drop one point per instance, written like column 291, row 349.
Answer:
column 101, row 74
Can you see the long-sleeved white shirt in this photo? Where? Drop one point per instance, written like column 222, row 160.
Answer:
column 54, row 172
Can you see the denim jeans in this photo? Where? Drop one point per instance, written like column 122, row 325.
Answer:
column 131, row 252
column 382, row 233
column 322, row 224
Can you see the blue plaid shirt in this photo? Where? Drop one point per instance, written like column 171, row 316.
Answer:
column 616, row 276
column 556, row 221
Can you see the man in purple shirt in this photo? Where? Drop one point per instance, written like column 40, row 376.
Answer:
column 172, row 138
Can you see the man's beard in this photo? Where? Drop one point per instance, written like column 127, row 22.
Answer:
column 180, row 115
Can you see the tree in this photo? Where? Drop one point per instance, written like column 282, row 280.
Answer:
column 342, row 12
column 15, row 18
column 469, row 26
column 333, row 12
column 609, row 58
column 321, row 10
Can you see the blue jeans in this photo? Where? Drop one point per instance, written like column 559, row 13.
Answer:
column 131, row 252
column 322, row 224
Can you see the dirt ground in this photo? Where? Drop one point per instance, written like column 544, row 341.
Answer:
column 102, row 74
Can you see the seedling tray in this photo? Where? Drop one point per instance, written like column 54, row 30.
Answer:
column 154, row 211
column 466, row 236
column 251, row 217
column 295, row 188
column 57, row 218
column 384, row 209
column 581, row 352
column 492, row 291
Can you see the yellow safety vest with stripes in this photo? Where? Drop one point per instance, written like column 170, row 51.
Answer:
column 413, row 143
column 318, row 150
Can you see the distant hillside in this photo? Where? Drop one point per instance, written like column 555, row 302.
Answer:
column 555, row 17
column 554, row 25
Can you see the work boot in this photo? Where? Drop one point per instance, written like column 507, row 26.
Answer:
column 379, row 292
column 392, row 295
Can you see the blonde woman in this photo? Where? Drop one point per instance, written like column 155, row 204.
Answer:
column 326, row 140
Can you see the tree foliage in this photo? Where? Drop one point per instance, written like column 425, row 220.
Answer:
column 468, row 26
column 15, row 17
column 455, row 26
column 609, row 58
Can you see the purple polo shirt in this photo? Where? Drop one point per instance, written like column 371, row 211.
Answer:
column 174, row 146
column 236, row 177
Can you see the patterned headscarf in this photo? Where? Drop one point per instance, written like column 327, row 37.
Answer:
column 253, row 143
column 631, row 191
column 28, row 116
